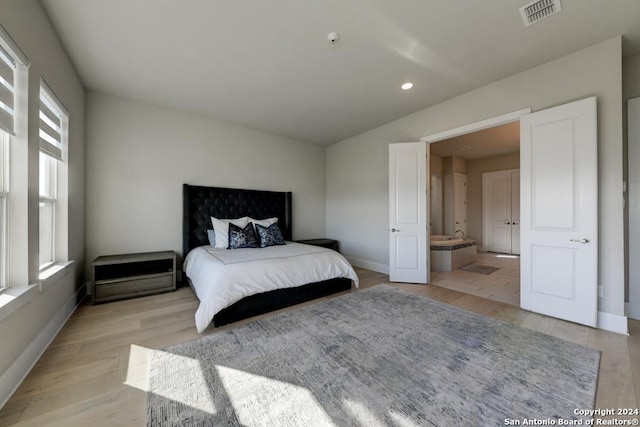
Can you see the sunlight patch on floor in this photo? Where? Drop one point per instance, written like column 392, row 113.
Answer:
column 182, row 381
column 401, row 420
column 361, row 413
column 252, row 396
column 137, row 368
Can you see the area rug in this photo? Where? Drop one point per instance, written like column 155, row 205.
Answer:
column 479, row 268
column 380, row 356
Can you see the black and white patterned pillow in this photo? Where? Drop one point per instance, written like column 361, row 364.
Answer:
column 242, row 237
column 269, row 236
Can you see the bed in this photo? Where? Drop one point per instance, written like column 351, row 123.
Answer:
column 199, row 205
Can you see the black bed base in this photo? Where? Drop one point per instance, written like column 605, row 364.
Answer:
column 273, row 300
column 201, row 203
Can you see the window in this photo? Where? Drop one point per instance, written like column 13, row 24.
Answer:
column 4, row 195
column 7, row 67
column 14, row 156
column 48, row 190
column 7, row 84
column 53, row 133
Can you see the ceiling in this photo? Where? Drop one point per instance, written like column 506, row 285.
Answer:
column 495, row 141
column 268, row 65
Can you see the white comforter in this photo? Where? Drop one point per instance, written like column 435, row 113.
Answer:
column 221, row 277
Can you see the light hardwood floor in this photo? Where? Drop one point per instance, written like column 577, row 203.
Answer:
column 94, row 373
column 501, row 285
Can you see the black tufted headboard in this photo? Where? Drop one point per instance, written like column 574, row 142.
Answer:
column 201, row 203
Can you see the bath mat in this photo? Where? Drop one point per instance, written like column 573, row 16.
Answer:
column 479, row 268
column 377, row 357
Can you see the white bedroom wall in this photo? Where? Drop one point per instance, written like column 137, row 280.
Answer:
column 25, row 332
column 357, row 168
column 139, row 155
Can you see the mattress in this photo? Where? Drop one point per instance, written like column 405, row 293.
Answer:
column 222, row 277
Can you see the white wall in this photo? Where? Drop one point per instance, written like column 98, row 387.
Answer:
column 28, row 25
column 357, row 168
column 139, row 155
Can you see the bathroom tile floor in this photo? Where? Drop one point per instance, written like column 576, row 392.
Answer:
column 502, row 285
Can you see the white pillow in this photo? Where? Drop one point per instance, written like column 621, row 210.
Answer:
column 263, row 222
column 221, row 227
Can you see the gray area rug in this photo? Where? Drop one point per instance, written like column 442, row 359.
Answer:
column 380, row 356
column 479, row 268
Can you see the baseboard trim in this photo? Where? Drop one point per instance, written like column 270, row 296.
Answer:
column 606, row 321
column 369, row 265
column 11, row 379
column 632, row 311
column 613, row 323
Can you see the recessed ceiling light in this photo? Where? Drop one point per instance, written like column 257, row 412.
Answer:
column 464, row 148
column 407, row 86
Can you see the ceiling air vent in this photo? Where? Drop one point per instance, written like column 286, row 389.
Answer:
column 539, row 10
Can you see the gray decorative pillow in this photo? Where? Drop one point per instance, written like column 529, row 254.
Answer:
column 242, row 237
column 269, row 236
column 211, row 235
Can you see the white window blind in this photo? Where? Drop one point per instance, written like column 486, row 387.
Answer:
column 7, row 68
column 54, row 127
column 51, row 122
column 11, row 57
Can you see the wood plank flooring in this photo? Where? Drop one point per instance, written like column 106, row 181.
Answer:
column 501, row 285
column 94, row 373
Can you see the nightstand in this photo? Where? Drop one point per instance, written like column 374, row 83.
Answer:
column 325, row 243
column 117, row 277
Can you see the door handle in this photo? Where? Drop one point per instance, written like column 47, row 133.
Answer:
column 507, row 223
column 579, row 240
column 515, row 223
column 394, row 230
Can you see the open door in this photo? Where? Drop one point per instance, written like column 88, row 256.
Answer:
column 559, row 205
column 408, row 212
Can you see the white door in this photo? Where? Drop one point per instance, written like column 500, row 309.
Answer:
column 633, row 121
column 559, row 228
column 515, row 212
column 501, row 211
column 496, row 199
column 408, row 212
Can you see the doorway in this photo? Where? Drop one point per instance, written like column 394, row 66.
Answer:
column 460, row 165
column 559, row 208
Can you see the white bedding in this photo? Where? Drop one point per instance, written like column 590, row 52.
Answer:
column 221, row 277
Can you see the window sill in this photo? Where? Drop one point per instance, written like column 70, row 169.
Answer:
column 53, row 273
column 11, row 299
column 15, row 297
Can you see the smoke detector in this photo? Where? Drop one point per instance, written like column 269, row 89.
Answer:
column 333, row 37
column 538, row 10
